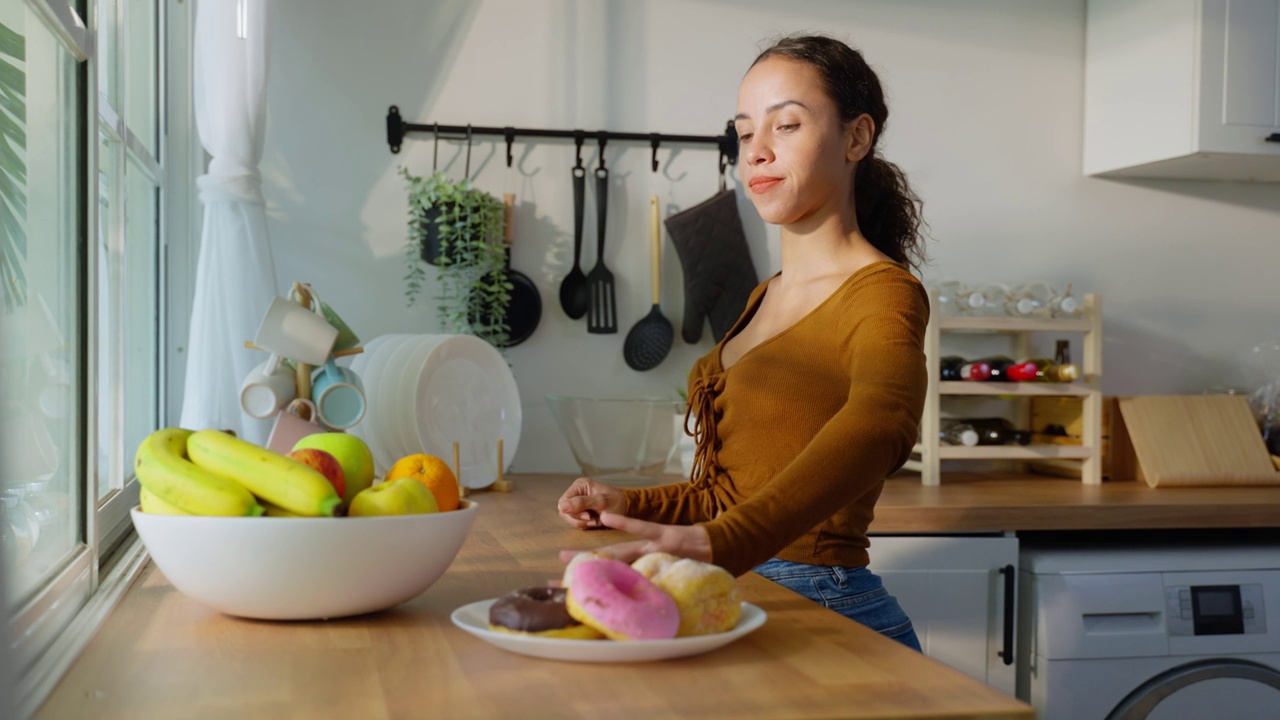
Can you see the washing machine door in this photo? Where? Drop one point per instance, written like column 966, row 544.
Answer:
column 1223, row 689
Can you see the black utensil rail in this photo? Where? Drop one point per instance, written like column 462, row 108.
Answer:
column 727, row 143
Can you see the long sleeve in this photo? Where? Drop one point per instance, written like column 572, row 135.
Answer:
column 805, row 427
column 870, row 437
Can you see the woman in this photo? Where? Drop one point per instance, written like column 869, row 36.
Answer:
column 815, row 395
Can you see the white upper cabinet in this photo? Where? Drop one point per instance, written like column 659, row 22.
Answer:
column 1185, row 89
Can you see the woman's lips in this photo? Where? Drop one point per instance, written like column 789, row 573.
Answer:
column 762, row 185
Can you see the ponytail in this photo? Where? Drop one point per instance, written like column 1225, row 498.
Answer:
column 888, row 210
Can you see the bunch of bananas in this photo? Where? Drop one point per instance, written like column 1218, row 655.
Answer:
column 209, row 472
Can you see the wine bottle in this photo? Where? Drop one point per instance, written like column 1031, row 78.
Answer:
column 954, row 367
column 950, row 367
column 997, row 365
column 956, row 432
column 997, row 431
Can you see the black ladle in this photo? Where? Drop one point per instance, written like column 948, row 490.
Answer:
column 650, row 339
column 575, row 299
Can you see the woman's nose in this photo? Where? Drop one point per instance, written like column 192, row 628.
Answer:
column 758, row 152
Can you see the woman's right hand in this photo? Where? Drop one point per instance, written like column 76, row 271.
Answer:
column 582, row 503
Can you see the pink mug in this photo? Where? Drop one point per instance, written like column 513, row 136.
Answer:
column 295, row 421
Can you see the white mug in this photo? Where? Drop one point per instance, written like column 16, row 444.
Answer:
column 295, row 332
column 268, row 387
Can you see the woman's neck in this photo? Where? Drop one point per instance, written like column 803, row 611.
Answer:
column 821, row 247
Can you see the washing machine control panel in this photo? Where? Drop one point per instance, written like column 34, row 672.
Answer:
column 1215, row 610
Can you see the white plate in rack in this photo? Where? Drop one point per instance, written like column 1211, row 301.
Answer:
column 466, row 393
column 474, row 618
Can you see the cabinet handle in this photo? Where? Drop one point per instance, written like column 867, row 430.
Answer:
column 1273, row 137
column 1010, row 575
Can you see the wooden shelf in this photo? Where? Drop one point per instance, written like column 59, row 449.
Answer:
column 930, row 452
column 1010, row 452
column 964, row 387
column 964, row 323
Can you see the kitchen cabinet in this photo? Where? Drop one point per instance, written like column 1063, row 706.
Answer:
column 956, row 590
column 1187, row 90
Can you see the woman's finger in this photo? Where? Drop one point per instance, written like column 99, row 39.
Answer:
column 642, row 528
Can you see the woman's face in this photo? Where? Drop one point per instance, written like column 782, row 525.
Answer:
column 795, row 155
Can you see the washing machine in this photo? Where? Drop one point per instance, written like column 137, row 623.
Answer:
column 1165, row 633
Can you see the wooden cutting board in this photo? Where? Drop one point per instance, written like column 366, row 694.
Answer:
column 1182, row 440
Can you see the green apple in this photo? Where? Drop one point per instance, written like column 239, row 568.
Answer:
column 352, row 454
column 405, row 496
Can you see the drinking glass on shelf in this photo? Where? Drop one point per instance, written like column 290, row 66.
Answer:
column 955, row 299
column 994, row 295
column 1065, row 305
column 1031, row 300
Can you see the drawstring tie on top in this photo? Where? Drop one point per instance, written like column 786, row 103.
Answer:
column 702, row 406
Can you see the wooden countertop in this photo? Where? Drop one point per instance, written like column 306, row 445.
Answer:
column 970, row 502
column 161, row 655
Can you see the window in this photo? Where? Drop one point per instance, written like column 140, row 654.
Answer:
column 82, row 192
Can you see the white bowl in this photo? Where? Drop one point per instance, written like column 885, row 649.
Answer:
column 279, row 568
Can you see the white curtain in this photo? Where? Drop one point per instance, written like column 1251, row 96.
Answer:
column 235, row 278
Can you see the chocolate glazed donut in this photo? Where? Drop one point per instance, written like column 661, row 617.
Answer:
column 532, row 610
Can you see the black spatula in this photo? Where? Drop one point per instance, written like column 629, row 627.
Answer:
column 650, row 338
column 602, row 317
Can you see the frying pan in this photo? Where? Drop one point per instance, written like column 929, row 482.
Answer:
column 525, row 309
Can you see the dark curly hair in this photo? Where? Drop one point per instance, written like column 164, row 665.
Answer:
column 888, row 210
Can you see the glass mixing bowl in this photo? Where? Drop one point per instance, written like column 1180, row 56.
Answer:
column 620, row 441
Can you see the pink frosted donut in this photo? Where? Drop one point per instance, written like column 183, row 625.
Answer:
column 613, row 598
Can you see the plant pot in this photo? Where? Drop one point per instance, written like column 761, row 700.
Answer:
column 431, row 243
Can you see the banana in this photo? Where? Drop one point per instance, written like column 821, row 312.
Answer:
column 162, row 468
column 279, row 480
column 155, row 505
column 277, row 511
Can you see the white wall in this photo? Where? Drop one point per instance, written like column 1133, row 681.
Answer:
column 985, row 116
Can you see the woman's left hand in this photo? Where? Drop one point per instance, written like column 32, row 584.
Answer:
column 689, row 541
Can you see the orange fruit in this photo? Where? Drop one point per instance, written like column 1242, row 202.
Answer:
column 432, row 472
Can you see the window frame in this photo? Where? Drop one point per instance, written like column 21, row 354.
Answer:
column 51, row 628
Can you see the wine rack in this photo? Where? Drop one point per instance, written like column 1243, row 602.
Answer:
column 929, row 453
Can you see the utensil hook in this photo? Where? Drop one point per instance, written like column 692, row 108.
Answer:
column 603, row 141
column 510, row 134
column 435, row 148
column 467, row 171
column 724, row 162
column 654, row 142
column 578, row 138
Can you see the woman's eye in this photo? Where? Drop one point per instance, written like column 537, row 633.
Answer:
column 744, row 138
column 788, row 128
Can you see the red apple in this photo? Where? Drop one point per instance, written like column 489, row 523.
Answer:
column 326, row 464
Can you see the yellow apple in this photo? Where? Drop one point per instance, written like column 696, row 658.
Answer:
column 405, row 496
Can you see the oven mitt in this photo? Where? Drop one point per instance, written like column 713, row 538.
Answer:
column 718, row 274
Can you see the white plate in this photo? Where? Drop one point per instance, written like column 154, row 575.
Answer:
column 369, row 429
column 474, row 618
column 466, row 393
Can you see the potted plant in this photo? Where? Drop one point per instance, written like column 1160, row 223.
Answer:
column 458, row 228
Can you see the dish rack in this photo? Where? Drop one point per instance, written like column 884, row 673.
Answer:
column 928, row 454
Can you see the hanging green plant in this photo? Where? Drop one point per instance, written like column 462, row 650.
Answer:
column 458, row 228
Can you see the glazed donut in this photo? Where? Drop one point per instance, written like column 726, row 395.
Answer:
column 611, row 597
column 537, row 611
column 706, row 594
column 567, row 579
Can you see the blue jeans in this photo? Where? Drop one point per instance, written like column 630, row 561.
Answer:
column 856, row 593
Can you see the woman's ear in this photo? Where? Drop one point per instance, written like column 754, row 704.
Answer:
column 861, row 135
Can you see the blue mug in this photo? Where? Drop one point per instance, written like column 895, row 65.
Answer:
column 338, row 396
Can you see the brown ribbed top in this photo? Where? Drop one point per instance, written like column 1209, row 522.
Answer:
column 796, row 438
